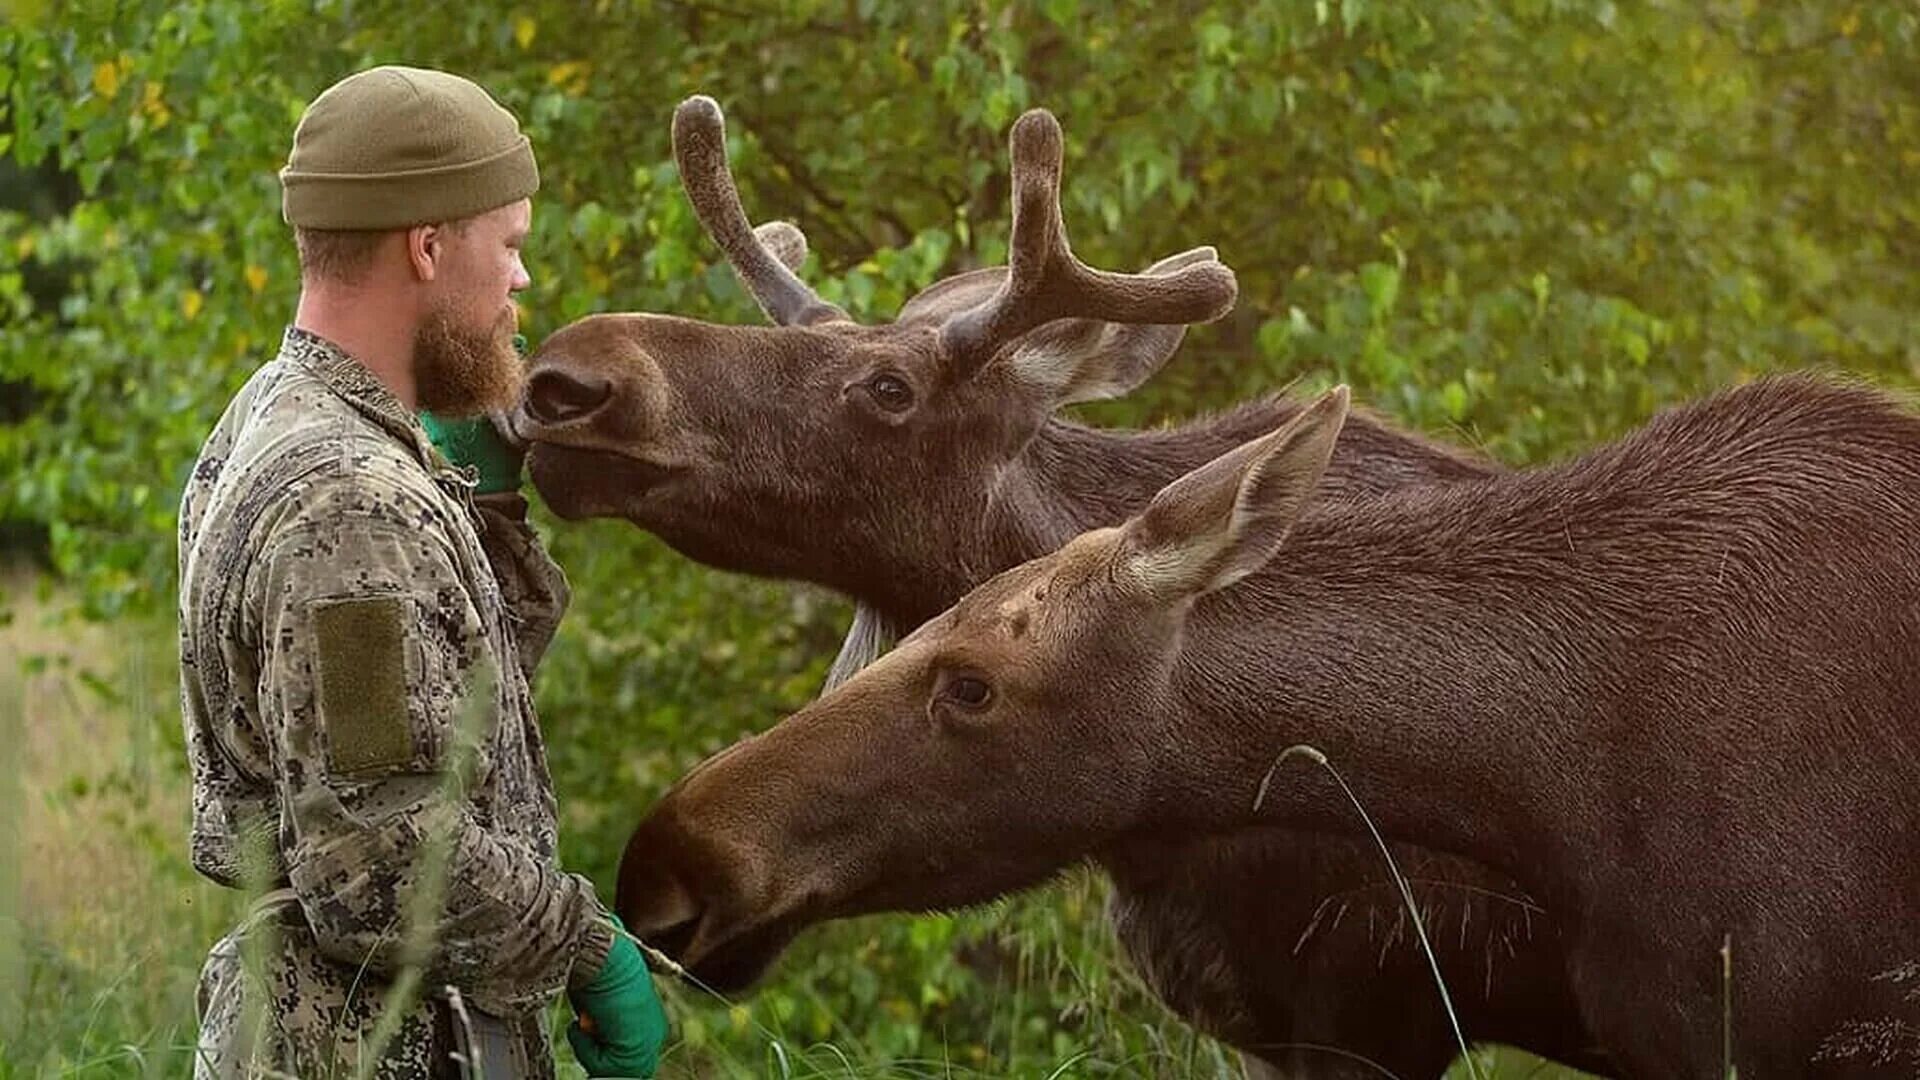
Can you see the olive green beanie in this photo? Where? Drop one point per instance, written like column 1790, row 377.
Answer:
column 394, row 147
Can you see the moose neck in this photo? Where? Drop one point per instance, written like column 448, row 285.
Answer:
column 1456, row 653
column 1072, row 478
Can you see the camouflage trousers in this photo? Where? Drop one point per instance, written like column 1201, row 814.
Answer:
column 289, row 1011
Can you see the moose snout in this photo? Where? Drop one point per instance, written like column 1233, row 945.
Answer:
column 672, row 878
column 557, row 397
column 655, row 906
column 652, row 897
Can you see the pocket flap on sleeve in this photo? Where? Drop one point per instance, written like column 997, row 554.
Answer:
column 360, row 660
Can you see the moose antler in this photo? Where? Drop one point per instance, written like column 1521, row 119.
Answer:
column 1046, row 282
column 700, row 148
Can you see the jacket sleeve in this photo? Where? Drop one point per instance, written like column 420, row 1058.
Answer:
column 531, row 583
column 381, row 697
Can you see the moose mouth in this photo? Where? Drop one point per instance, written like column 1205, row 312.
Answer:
column 733, row 964
column 580, row 483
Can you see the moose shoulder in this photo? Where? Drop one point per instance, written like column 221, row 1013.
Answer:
column 1673, row 687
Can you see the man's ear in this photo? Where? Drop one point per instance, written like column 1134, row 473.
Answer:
column 1225, row 519
column 424, row 245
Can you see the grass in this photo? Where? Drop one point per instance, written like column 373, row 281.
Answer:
column 103, row 925
column 102, row 921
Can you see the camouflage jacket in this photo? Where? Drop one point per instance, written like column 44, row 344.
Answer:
column 360, row 729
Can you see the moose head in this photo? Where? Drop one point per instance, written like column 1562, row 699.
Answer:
column 738, row 445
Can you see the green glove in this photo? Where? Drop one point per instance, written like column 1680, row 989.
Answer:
column 475, row 442
column 625, row 1014
column 478, row 443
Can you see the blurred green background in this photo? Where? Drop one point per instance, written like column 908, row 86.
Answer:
column 1522, row 225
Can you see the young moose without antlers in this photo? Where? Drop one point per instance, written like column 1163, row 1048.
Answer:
column 1673, row 687
column 874, row 461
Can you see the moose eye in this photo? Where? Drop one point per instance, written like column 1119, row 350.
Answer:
column 967, row 691
column 891, row 392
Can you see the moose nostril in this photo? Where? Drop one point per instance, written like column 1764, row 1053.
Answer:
column 673, row 940
column 554, row 397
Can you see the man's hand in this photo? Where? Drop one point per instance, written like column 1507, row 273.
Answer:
column 477, row 443
column 621, row 1025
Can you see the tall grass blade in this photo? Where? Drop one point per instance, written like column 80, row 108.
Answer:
column 13, row 973
column 1406, row 893
column 1726, row 1009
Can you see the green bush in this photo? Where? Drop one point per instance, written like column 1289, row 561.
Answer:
column 1522, row 224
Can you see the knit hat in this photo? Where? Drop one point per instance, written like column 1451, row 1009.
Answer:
column 394, row 147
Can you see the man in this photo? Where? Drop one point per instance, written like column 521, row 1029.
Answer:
column 357, row 630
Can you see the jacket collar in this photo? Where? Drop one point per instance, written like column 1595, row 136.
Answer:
column 351, row 380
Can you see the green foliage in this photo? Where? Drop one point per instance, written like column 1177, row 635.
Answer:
column 1522, row 224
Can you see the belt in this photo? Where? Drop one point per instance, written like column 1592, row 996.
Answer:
column 478, row 1045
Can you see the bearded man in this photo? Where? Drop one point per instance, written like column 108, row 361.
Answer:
column 359, row 619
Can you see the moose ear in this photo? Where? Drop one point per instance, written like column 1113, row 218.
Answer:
column 950, row 296
column 1076, row 360
column 1225, row 519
